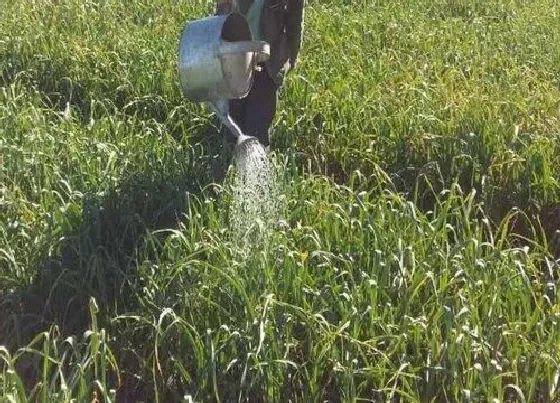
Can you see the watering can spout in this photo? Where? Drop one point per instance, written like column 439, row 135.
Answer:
column 221, row 108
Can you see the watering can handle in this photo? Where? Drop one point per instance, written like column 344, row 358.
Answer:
column 260, row 48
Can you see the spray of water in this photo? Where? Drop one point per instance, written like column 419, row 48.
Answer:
column 254, row 208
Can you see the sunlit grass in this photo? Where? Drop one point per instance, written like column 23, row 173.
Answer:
column 418, row 150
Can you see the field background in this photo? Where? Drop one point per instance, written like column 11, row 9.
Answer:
column 416, row 255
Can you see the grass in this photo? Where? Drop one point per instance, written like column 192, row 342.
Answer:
column 417, row 255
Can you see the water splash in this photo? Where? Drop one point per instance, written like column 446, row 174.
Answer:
column 254, row 208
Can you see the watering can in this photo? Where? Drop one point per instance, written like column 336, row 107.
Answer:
column 217, row 60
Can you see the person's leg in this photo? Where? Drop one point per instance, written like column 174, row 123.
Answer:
column 260, row 108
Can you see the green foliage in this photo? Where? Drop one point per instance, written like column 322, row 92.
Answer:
column 418, row 150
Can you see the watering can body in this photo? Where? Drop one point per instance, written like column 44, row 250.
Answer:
column 217, row 58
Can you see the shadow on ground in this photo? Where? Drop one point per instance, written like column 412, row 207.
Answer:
column 97, row 254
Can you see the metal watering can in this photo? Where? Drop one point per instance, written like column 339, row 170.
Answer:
column 217, row 60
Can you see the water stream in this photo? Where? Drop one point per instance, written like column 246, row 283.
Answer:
column 254, row 208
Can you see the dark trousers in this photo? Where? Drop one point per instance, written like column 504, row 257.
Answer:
column 254, row 113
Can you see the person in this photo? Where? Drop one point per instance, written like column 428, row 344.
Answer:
column 280, row 23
